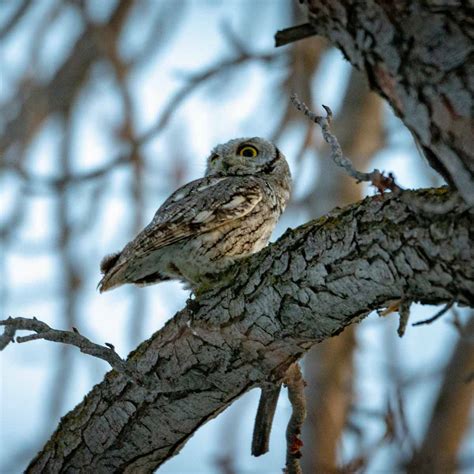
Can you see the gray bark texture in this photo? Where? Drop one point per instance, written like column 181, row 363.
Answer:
column 419, row 56
column 309, row 285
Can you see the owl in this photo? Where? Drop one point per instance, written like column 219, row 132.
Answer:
column 210, row 223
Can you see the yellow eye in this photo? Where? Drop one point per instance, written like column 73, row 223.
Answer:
column 248, row 151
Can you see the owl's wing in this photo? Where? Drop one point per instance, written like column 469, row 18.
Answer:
column 196, row 208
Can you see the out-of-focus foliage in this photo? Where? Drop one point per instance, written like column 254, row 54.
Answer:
column 108, row 106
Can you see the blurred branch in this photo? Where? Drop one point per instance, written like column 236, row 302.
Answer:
column 43, row 100
column 14, row 19
column 165, row 24
column 194, row 81
column 449, row 420
column 33, row 180
column 223, row 345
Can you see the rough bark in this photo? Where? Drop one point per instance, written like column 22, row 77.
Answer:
column 307, row 287
column 418, row 55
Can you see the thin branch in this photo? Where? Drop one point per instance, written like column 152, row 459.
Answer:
column 295, row 383
column 264, row 418
column 72, row 338
column 375, row 177
column 404, row 313
column 436, row 316
column 294, row 33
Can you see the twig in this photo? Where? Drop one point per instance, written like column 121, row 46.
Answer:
column 294, row 33
column 73, row 338
column 264, row 419
column 436, row 316
column 375, row 177
column 404, row 313
column 295, row 383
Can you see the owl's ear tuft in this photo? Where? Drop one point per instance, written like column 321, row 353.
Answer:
column 108, row 262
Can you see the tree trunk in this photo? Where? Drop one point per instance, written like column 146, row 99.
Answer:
column 418, row 55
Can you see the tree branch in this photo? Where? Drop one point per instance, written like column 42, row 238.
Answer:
column 72, row 338
column 426, row 81
column 438, row 315
column 269, row 311
column 294, row 33
column 264, row 418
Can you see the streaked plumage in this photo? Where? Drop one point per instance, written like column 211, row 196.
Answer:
column 209, row 223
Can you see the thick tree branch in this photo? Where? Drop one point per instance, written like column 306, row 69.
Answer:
column 418, row 58
column 313, row 282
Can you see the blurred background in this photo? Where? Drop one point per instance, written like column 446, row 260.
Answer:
column 106, row 107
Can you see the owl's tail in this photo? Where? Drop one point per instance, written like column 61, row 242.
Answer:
column 117, row 273
column 113, row 273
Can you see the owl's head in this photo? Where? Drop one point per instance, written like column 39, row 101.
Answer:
column 247, row 156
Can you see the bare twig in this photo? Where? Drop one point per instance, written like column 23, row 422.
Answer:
column 73, row 338
column 264, row 419
column 295, row 383
column 404, row 313
column 436, row 316
column 375, row 177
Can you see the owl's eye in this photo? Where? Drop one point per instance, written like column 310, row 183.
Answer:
column 248, row 151
column 213, row 157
